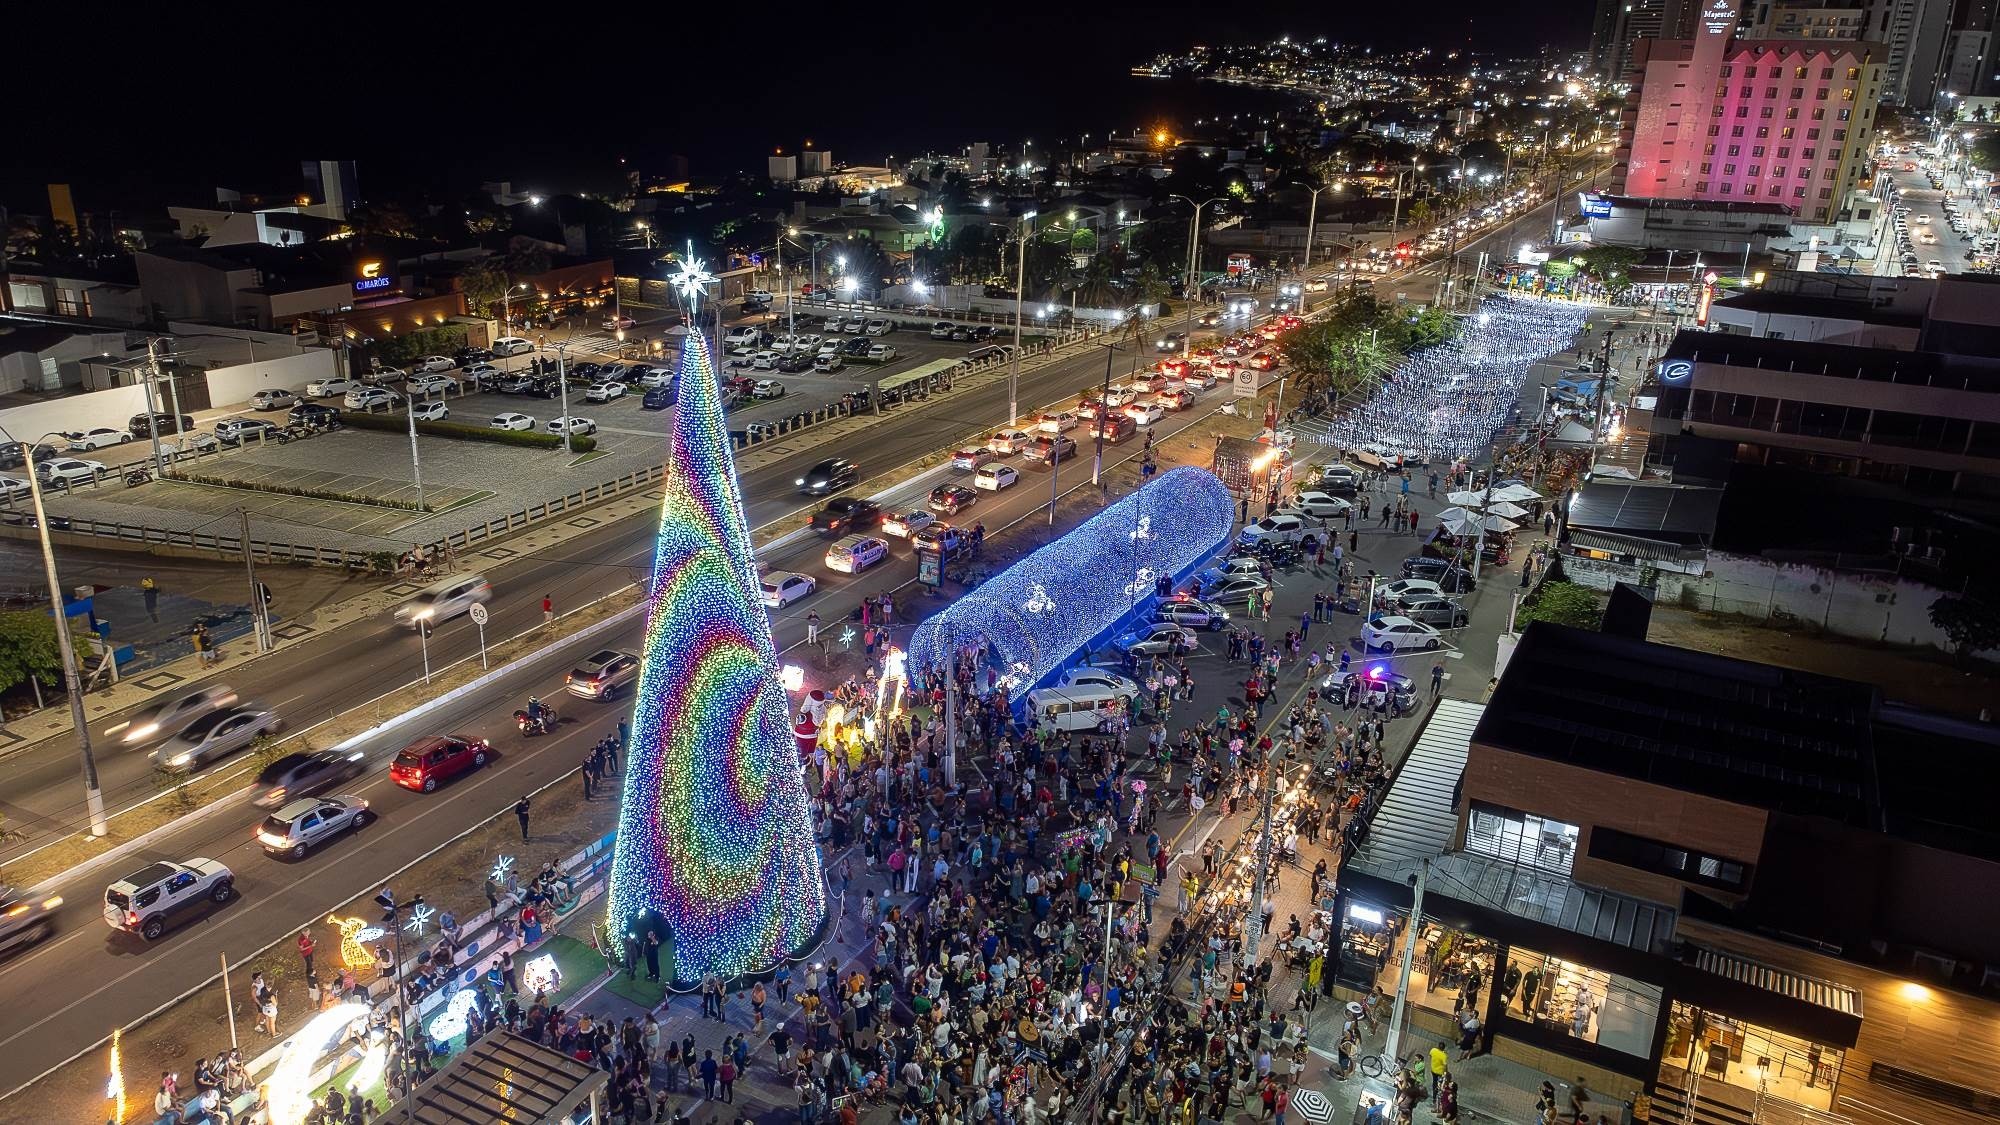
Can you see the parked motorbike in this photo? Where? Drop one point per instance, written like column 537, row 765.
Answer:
column 138, row 477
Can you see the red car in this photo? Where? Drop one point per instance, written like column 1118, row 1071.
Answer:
column 1174, row 368
column 1263, row 361
column 440, row 757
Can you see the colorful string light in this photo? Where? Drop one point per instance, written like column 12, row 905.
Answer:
column 713, row 836
column 1036, row 614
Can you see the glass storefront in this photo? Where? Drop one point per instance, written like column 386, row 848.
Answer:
column 1522, row 838
column 1453, row 972
column 1584, row 1003
column 1751, row 1058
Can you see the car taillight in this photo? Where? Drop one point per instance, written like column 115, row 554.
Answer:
column 131, row 919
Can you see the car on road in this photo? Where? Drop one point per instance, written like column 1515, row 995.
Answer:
column 159, row 894
column 512, row 421
column 1006, row 443
column 1191, row 612
column 951, row 499
column 25, row 918
column 1171, row 342
column 942, row 330
column 1056, row 422
column 437, row 758
column 1145, row 413
column 618, row 323
column 767, row 389
column 85, row 441
column 904, row 525
column 443, row 600
column 971, row 457
column 993, row 478
column 217, row 734
column 303, row 775
column 62, row 472
column 1051, row 448
column 383, row 376
column 468, row 357
column 856, row 553
column 1115, row 428
column 1450, row 577
column 843, row 514
column 272, row 400
column 602, row 674
column 431, row 384
column 781, row 588
column 829, row 475
column 429, row 411
column 1438, row 613
column 1340, row 480
column 604, row 391
column 1173, row 398
column 169, row 715
column 1393, row 633
column 1319, row 506
column 369, row 399
column 1235, row 589
column 571, row 425
column 330, row 388
column 308, row 822
column 1232, row 567
column 1162, row 638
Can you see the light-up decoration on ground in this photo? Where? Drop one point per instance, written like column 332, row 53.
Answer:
column 420, row 916
column 502, row 867
column 792, row 677
column 1142, row 583
column 541, row 975
column 1187, row 516
column 373, row 1062
column 353, row 934
column 713, row 835
column 847, row 635
column 450, row 1023
column 114, row 1087
column 291, row 1081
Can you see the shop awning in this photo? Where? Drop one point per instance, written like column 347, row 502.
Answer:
column 1418, row 816
column 1652, row 550
column 502, row 1077
column 1798, row 986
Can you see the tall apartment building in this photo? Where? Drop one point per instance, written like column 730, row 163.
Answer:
column 1715, row 117
column 1619, row 25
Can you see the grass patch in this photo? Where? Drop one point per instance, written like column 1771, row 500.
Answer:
column 305, row 493
column 483, row 494
column 588, row 458
column 463, row 431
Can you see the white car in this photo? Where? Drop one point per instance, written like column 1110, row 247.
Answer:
column 1057, row 422
column 1286, row 527
column 1159, row 639
column 1320, row 505
column 767, row 388
column 855, row 553
column 430, row 411
column 329, row 388
column 906, row 524
column 572, row 425
column 971, row 457
column 993, row 478
column 783, row 587
column 1391, row 634
column 272, row 400
column 369, row 398
column 432, row 363
column 877, row 327
column 432, row 384
column 383, row 376
column 481, row 374
column 1006, row 443
column 604, row 392
column 83, row 441
column 828, row 364
column 832, row 347
column 1411, row 588
column 1145, row 413
column 881, row 353
column 14, row 488
column 1120, row 395
column 742, row 336
column 511, row 345
column 512, row 421
column 65, row 471
column 1086, row 676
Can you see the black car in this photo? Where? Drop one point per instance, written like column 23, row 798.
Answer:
column 846, row 513
column 794, row 364
column 1281, row 554
column 830, row 475
column 1450, row 578
column 660, row 398
column 303, row 775
column 13, row 454
column 516, row 384
column 141, row 425
column 466, row 357
column 962, row 333
column 857, row 346
column 315, row 414
column 548, row 386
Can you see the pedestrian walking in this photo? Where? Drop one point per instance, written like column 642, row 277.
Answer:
column 812, row 627
column 548, row 609
column 152, row 591
column 521, row 814
column 306, row 947
column 589, row 780
column 1437, row 677
column 1413, row 521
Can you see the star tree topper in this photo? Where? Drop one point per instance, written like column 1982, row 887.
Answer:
column 692, row 278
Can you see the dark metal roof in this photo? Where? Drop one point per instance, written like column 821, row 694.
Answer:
column 1754, row 734
column 1649, row 549
column 1657, row 511
column 1553, row 900
column 502, row 1077
column 1785, row 982
column 1416, row 819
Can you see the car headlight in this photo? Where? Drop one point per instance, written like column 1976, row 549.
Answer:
column 139, row 732
column 180, row 759
column 800, row 481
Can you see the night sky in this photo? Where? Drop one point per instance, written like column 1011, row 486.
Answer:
column 135, row 112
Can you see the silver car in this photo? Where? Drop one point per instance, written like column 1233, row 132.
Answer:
column 215, row 735
column 307, row 823
column 171, row 714
column 25, row 918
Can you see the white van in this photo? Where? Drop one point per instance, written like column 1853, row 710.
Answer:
column 511, row 345
column 444, row 599
column 1074, row 708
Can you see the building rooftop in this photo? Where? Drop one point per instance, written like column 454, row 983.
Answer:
column 1828, row 308
column 1649, row 511
column 1943, row 370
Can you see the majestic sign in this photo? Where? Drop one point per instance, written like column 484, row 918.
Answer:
column 1719, row 17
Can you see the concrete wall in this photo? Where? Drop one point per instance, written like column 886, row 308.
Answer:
column 223, row 346
column 113, row 407
column 1846, row 603
column 228, row 385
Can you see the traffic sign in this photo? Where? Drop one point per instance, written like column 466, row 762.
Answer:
column 477, row 613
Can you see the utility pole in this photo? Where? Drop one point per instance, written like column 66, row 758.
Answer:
column 1020, row 293
column 1103, row 415
column 951, row 720
column 258, row 620
column 152, row 405
column 72, row 673
column 416, row 463
column 1392, row 1047
column 1253, row 926
column 562, row 384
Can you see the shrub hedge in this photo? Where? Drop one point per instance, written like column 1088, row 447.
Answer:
column 462, row 431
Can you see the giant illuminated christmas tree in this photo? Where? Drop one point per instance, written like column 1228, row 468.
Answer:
column 713, row 835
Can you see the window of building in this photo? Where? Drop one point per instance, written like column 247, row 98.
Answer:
column 1756, row 150
column 1766, row 112
column 1810, row 154
column 1785, row 151
column 1522, row 838
column 1736, row 150
column 1798, row 193
column 1847, row 94
column 1771, row 92
column 1722, row 90
column 1453, row 969
column 1791, row 113
column 1749, row 72
column 1614, row 846
column 1778, row 172
column 1834, row 155
column 1755, row 171
column 1715, row 130
column 1798, row 92
column 1819, row 112
column 1853, row 73
column 1706, row 167
column 1708, row 150
column 1819, row 95
column 1746, row 92
column 1736, row 130
column 1763, row 132
column 1701, row 185
column 1597, row 1007
column 1749, row 189
column 1728, row 189
column 1840, row 134
column 1750, row 1057
column 1729, row 169
column 1812, row 134
column 1826, row 192
column 1715, row 111
column 1826, row 75
column 1726, row 69
column 1844, row 114
column 1798, row 72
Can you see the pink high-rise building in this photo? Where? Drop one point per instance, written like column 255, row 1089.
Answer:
column 1787, row 121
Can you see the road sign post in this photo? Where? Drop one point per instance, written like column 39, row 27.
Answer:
column 478, row 615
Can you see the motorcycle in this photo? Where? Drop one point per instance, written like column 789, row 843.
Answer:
column 137, row 477
column 531, row 725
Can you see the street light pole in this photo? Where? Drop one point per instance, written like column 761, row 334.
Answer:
column 1193, row 276
column 1020, row 292
column 72, row 673
column 562, row 385
column 416, row 463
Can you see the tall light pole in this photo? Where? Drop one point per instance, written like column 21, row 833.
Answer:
column 562, row 388
column 507, row 307
column 416, row 463
column 1312, row 219
column 1020, row 291
column 1396, row 217
column 1193, row 275
column 72, row 672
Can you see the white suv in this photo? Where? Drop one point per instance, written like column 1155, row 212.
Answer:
column 159, row 894
column 432, row 363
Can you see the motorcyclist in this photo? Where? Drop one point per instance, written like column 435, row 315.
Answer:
column 536, row 711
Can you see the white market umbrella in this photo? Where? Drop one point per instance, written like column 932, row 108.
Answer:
column 1506, row 508
column 1458, row 525
column 1516, row 493
column 1496, row 523
column 1467, row 499
column 1454, row 515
